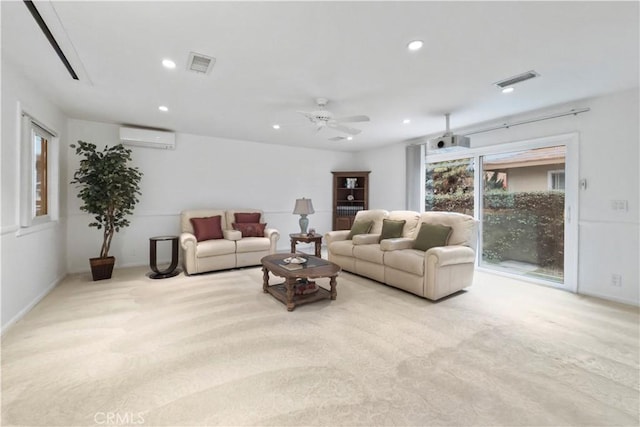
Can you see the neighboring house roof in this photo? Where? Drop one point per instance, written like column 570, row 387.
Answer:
column 535, row 157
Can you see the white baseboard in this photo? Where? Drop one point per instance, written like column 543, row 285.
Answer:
column 144, row 264
column 32, row 304
column 609, row 298
column 125, row 265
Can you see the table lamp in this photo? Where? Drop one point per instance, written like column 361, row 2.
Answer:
column 303, row 208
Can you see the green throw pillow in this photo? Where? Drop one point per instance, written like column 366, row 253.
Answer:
column 431, row 235
column 391, row 228
column 360, row 227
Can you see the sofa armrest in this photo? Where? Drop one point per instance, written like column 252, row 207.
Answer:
column 450, row 255
column 335, row 236
column 187, row 240
column 188, row 243
column 273, row 235
column 366, row 239
column 232, row 234
column 396, row 244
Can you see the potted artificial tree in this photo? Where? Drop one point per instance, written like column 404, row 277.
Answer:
column 109, row 190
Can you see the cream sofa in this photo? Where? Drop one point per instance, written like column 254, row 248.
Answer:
column 230, row 252
column 436, row 273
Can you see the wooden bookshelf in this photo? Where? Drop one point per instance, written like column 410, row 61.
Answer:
column 350, row 195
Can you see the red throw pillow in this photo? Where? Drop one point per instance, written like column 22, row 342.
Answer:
column 243, row 218
column 208, row 228
column 250, row 230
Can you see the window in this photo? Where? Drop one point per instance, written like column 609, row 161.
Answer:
column 37, row 172
column 449, row 186
column 556, row 180
column 40, row 181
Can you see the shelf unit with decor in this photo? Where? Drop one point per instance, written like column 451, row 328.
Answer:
column 350, row 195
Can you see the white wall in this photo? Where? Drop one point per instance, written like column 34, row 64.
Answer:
column 35, row 261
column 204, row 172
column 387, row 181
column 609, row 161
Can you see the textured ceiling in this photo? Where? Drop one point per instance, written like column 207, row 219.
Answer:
column 274, row 58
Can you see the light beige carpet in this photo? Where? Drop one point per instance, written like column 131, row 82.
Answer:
column 214, row 350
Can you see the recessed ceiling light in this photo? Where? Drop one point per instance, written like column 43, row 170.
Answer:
column 349, row 138
column 167, row 63
column 507, row 90
column 276, row 126
column 163, row 108
column 406, row 121
column 415, row 45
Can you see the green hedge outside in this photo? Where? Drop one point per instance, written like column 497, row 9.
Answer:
column 522, row 226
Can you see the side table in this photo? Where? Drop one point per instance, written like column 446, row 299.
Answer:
column 306, row 238
column 171, row 270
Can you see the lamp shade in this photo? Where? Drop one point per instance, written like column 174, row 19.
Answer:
column 303, row 207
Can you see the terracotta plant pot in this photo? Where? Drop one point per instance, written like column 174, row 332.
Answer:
column 101, row 268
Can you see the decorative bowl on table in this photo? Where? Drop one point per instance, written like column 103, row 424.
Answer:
column 295, row 260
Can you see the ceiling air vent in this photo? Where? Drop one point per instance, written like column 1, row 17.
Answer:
column 200, row 63
column 516, row 79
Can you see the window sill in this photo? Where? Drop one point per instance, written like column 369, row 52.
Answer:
column 36, row 228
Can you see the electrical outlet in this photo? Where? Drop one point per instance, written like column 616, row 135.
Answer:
column 620, row 205
column 616, row 280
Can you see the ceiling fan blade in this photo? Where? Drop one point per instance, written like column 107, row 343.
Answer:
column 308, row 115
column 337, row 138
column 345, row 129
column 353, row 119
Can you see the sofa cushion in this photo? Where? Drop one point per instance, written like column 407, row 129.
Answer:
column 464, row 226
column 371, row 253
column 431, row 235
column 250, row 229
column 185, row 218
column 409, row 260
column 247, row 217
column 412, row 218
column 252, row 244
column 208, row 228
column 230, row 215
column 375, row 215
column 360, row 227
column 215, row 247
column 391, row 228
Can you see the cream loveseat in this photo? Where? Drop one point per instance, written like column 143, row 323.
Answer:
column 433, row 274
column 228, row 250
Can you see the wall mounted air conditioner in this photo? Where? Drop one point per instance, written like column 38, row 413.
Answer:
column 148, row 138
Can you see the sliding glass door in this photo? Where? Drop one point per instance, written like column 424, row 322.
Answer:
column 523, row 205
column 524, row 196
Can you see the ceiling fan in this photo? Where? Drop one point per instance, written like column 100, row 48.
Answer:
column 322, row 118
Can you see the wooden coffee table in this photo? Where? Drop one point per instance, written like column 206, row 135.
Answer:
column 314, row 268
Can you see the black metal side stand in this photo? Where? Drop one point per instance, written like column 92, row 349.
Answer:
column 171, row 270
